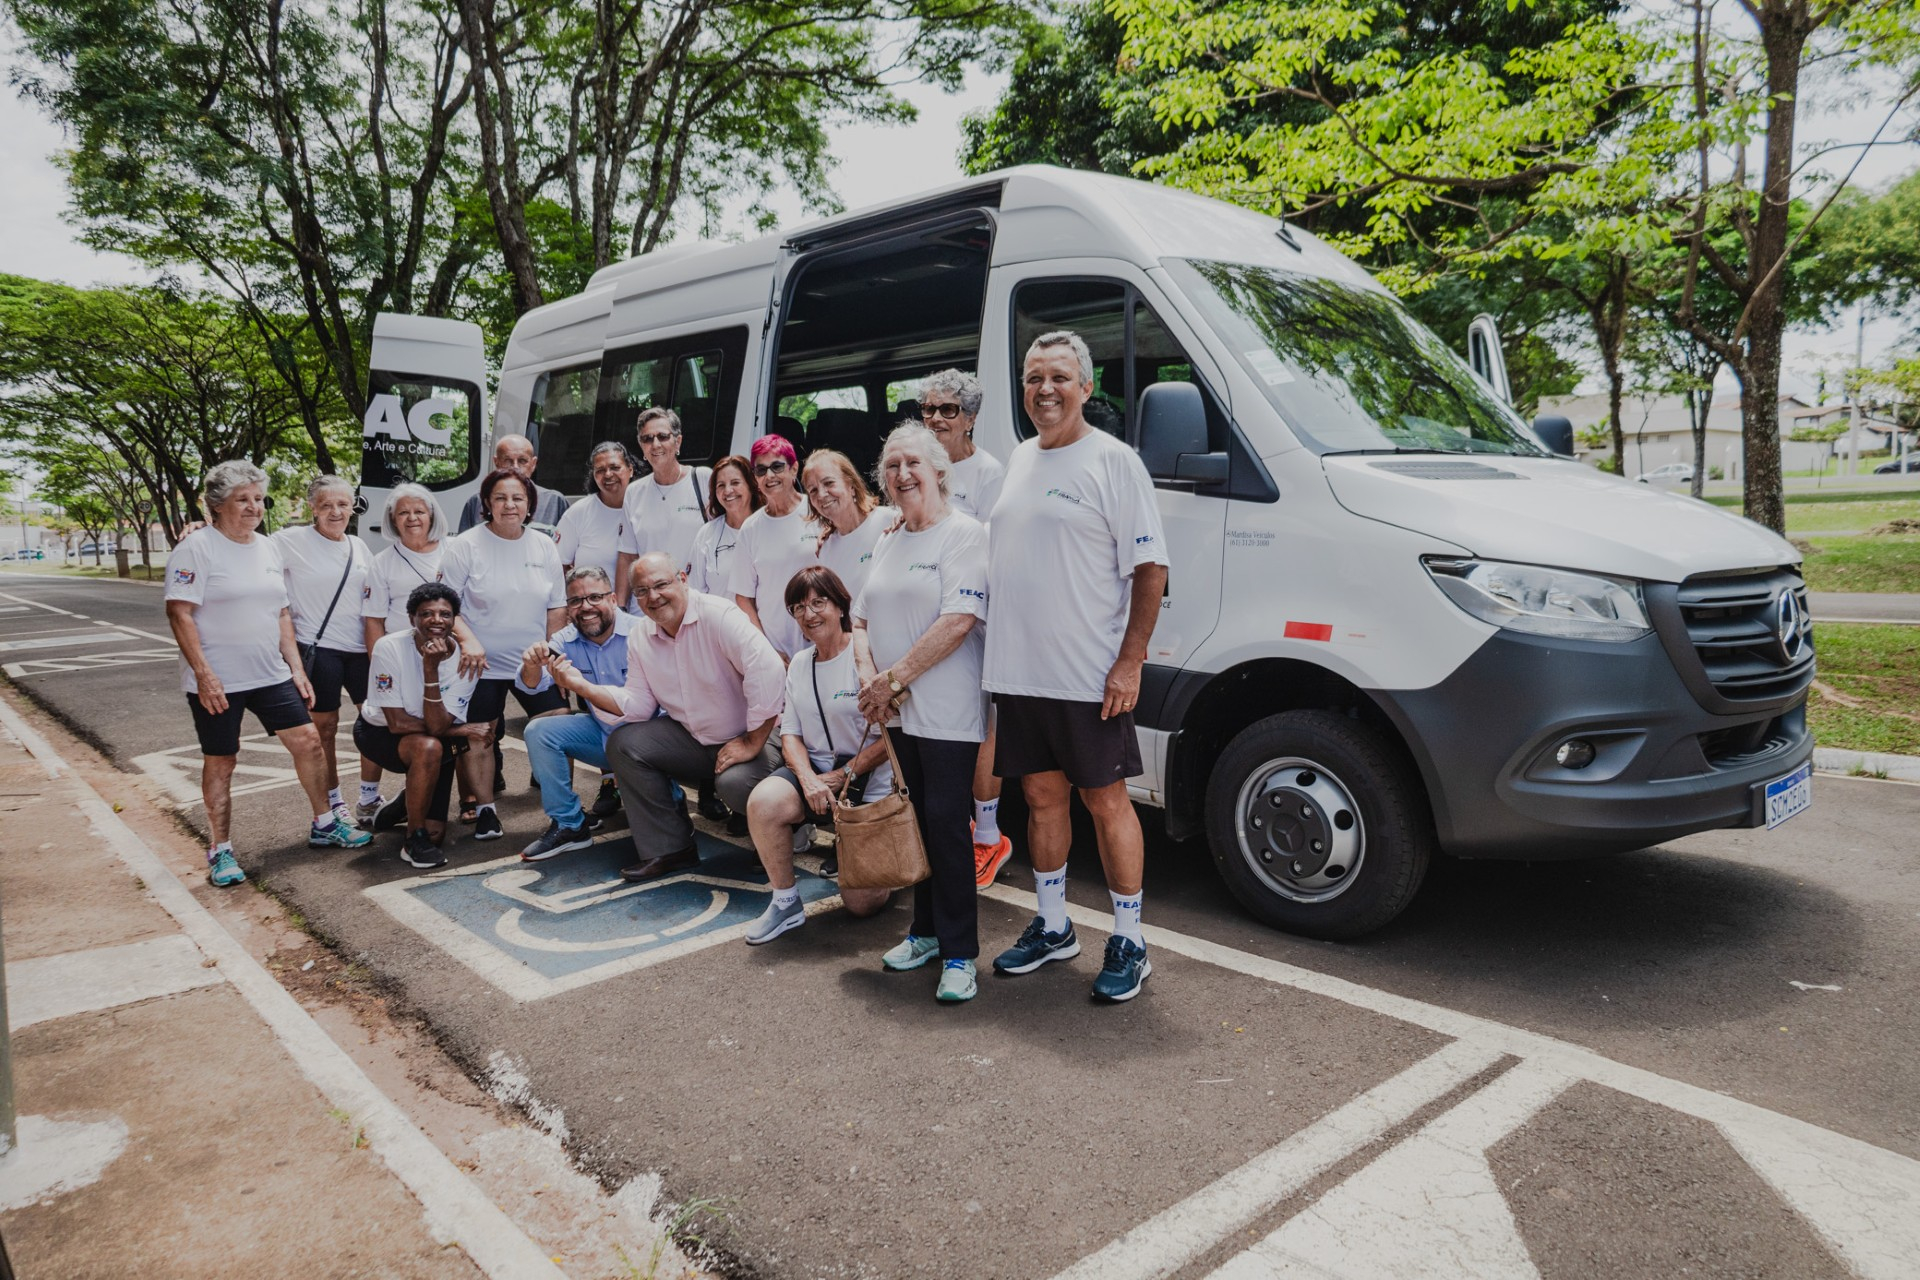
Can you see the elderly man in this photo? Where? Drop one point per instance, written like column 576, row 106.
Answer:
column 1075, row 568
column 721, row 684
column 595, row 642
column 515, row 453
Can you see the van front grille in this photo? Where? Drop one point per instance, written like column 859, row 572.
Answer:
column 1750, row 634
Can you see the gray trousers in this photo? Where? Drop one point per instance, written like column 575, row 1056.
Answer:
column 650, row 756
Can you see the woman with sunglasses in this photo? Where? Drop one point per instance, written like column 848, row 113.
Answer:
column 848, row 515
column 666, row 509
column 732, row 495
column 776, row 542
column 595, row 532
column 949, row 402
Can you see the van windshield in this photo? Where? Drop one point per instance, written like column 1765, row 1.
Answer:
column 1349, row 370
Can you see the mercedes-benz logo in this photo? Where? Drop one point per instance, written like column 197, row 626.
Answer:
column 1789, row 624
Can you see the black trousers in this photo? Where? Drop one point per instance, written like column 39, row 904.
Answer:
column 939, row 776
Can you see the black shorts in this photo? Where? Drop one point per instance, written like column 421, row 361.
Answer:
column 382, row 746
column 275, row 706
column 1047, row 735
column 856, row 794
column 334, row 670
column 490, row 700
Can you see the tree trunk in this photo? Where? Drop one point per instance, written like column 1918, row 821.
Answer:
column 1699, row 404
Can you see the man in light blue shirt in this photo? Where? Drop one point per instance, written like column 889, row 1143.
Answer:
column 595, row 641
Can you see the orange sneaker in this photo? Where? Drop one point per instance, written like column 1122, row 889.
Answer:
column 988, row 859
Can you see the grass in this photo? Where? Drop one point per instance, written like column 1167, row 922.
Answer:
column 1867, row 697
column 1886, row 563
column 1814, row 499
column 1848, row 517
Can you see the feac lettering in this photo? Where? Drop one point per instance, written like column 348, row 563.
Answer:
column 420, row 422
column 385, row 417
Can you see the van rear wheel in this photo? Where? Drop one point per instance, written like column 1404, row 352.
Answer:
column 1318, row 825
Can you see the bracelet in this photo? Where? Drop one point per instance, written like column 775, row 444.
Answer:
column 426, row 699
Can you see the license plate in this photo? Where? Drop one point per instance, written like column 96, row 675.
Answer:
column 1789, row 795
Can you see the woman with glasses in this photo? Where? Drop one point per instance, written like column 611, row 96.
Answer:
column 595, row 532
column 666, row 509
column 776, row 542
column 849, row 517
column 513, row 596
column 824, row 739
column 732, row 496
column 917, row 645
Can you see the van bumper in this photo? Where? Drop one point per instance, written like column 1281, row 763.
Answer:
column 1664, row 766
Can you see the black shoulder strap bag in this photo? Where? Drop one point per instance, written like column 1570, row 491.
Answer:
column 306, row 650
column 858, row 790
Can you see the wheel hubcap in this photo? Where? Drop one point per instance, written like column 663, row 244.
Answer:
column 1299, row 830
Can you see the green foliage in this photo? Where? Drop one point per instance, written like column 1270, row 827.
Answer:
column 1874, row 675
column 1884, row 563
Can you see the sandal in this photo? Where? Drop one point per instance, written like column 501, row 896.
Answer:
column 469, row 811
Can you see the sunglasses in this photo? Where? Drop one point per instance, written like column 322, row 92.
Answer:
column 947, row 411
column 775, row 467
column 661, row 438
column 576, row 602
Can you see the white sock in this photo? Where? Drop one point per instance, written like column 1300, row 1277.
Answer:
column 1051, row 888
column 784, row 898
column 986, row 822
column 369, row 792
column 485, row 808
column 333, row 799
column 324, row 818
column 1126, row 918
column 214, row 851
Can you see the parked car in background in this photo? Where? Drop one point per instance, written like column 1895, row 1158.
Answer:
column 25, row 553
column 95, row 549
column 1671, row 473
column 1909, row 465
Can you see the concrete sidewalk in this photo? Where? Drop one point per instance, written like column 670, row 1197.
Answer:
column 1902, row 608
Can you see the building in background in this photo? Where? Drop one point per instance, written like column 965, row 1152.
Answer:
column 1659, row 431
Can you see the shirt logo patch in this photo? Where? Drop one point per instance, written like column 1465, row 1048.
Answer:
column 972, row 594
column 183, row 577
column 383, row 684
column 1062, row 493
column 923, row 564
column 1143, row 540
column 366, row 593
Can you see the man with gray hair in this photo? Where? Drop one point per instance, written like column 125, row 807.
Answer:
column 515, row 453
column 595, row 642
column 1076, row 566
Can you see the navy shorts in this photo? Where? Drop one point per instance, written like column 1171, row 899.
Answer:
column 1049, row 735
column 333, row 671
column 275, row 706
column 490, row 700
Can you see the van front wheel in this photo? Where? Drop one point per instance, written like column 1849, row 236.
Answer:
column 1317, row 824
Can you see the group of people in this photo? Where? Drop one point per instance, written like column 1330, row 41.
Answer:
column 750, row 630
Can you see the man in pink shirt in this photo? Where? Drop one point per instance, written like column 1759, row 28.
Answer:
column 703, row 662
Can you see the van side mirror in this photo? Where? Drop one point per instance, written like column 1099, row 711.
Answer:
column 1173, row 435
column 1555, row 432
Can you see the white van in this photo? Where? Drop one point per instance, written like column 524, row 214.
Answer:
column 1396, row 623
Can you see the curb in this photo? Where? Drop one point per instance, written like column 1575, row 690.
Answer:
column 1870, row 763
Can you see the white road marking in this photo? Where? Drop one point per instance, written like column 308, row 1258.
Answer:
column 456, row 1210
column 50, row 608
column 1860, row 1199
column 508, row 929
column 1811, row 986
column 87, row 662
column 1172, row 1238
column 67, row 640
column 1429, row 1209
column 48, row 987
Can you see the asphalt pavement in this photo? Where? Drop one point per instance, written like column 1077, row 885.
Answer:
column 1701, row 1057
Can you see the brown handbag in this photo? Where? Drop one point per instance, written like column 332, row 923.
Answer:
column 878, row 843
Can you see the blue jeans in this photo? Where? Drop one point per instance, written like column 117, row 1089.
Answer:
column 551, row 742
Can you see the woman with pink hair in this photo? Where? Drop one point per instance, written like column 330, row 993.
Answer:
column 775, row 543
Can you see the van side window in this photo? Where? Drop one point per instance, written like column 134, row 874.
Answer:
column 560, row 424
column 391, row 451
column 697, row 376
column 1131, row 348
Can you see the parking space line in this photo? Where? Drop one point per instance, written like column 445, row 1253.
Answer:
column 50, row 608
column 65, row 639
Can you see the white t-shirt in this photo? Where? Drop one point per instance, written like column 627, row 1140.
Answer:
column 667, row 517
column 506, row 588
column 844, row 729
column 238, row 590
column 392, row 577
column 973, row 485
column 852, row 556
column 917, row 577
column 593, row 533
column 712, row 567
column 1070, row 527
column 313, row 564
column 396, row 677
column 770, row 551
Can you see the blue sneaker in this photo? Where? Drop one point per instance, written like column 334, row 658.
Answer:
column 336, row 834
column 224, row 871
column 1126, row 968
column 1036, row 946
column 956, row 982
column 910, row 954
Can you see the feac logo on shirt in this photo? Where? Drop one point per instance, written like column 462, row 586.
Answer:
column 1143, row 540
column 183, row 577
column 931, row 565
column 383, row 684
column 1062, row 493
column 971, row 594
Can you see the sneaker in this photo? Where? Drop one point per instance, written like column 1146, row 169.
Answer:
column 486, row 825
column 988, row 859
column 736, row 824
column 343, row 813
column 556, row 839
column 223, row 870
column 776, row 920
column 1035, row 947
column 420, row 850
column 392, row 815
column 830, row 867
column 803, row 838
column 713, row 808
column 910, row 954
column 1126, row 967
column 338, row 834
column 368, row 811
column 607, row 803
column 957, row 983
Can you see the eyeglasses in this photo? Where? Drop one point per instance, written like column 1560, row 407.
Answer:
column 812, row 604
column 653, row 588
column 775, row 467
column 947, row 411
column 659, row 438
column 574, row 602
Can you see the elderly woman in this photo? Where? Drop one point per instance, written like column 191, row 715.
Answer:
column 512, row 595
column 917, row 645
column 595, row 531
column 949, row 402
column 824, row 738
column 776, row 542
column 326, row 570
column 226, row 602
column 849, row 517
column 732, row 494
column 666, row 509
column 414, row 518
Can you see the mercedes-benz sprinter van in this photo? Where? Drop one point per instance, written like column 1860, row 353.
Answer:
column 1396, row 623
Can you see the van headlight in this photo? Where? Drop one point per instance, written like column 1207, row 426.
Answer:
column 1541, row 601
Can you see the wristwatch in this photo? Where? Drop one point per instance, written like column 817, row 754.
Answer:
column 893, row 683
